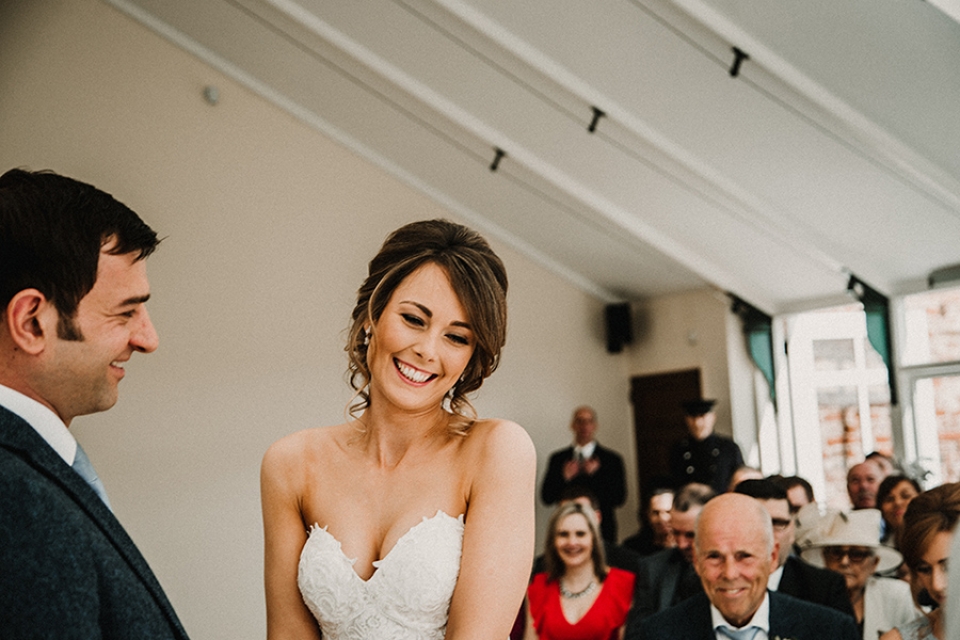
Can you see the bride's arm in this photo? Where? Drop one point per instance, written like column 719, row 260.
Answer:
column 283, row 537
column 498, row 536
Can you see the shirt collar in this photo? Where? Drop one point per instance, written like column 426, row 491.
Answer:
column 761, row 618
column 586, row 450
column 773, row 582
column 43, row 420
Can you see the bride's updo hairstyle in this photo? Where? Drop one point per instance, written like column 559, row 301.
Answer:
column 479, row 280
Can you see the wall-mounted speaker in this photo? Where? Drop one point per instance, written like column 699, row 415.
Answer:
column 618, row 327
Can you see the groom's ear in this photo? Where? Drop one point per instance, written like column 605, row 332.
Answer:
column 29, row 320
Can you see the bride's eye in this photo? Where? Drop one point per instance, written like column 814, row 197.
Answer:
column 416, row 321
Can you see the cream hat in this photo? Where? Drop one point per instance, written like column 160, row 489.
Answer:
column 859, row 528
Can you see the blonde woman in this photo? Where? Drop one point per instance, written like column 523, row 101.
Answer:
column 578, row 597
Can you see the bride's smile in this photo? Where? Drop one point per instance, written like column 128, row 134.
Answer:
column 422, row 342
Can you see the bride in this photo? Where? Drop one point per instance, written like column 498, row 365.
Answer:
column 414, row 519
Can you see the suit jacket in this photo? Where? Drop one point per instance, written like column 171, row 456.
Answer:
column 789, row 618
column 663, row 579
column 67, row 567
column 813, row 584
column 608, row 484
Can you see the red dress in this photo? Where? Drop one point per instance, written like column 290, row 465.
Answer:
column 601, row 622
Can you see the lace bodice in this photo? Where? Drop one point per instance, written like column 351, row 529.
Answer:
column 406, row 598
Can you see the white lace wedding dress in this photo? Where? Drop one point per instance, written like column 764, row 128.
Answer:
column 406, row 598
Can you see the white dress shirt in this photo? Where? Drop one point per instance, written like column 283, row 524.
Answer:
column 761, row 618
column 586, row 451
column 43, row 420
column 773, row 582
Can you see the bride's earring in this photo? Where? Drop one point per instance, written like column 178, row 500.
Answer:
column 366, row 337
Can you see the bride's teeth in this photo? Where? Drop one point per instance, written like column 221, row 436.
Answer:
column 413, row 374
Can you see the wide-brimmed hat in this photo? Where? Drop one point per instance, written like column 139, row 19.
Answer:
column 835, row 528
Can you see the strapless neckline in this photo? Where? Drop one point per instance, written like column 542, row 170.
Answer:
column 317, row 529
column 406, row 598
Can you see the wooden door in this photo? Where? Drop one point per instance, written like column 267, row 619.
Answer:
column 658, row 420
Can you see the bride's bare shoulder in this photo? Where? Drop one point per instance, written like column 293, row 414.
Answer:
column 303, row 445
column 502, row 439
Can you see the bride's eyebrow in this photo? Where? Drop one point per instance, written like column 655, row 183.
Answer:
column 426, row 311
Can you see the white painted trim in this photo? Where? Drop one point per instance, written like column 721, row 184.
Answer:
column 323, row 126
column 924, row 175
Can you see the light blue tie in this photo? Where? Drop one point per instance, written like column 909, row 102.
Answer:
column 747, row 633
column 81, row 464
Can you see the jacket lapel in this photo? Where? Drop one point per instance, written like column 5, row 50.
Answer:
column 20, row 438
column 668, row 587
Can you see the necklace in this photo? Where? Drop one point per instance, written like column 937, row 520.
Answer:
column 578, row 594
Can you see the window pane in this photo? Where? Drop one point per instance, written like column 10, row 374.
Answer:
column 880, row 418
column 946, row 401
column 932, row 321
column 833, row 355
column 840, row 435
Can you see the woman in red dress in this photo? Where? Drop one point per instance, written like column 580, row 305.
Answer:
column 578, row 597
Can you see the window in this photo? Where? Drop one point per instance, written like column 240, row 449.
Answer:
column 839, row 397
column 930, row 377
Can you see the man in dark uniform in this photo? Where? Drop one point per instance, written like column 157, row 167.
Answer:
column 704, row 456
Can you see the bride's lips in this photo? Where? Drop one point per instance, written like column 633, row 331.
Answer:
column 412, row 374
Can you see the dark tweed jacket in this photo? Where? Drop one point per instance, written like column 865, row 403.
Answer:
column 67, row 567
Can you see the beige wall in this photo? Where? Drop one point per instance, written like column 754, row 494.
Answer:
column 686, row 331
column 268, row 228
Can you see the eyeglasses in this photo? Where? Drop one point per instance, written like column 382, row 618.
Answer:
column 856, row 555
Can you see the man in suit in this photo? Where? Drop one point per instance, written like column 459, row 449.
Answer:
column 791, row 575
column 588, row 465
column 703, row 456
column 668, row 577
column 735, row 554
column 72, row 289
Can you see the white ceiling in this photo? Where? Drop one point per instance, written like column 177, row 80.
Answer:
column 835, row 150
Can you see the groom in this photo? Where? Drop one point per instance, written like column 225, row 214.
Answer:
column 734, row 555
column 72, row 290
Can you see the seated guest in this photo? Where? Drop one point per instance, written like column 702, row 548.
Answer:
column 655, row 533
column 668, row 577
column 887, row 464
column 863, row 480
column 893, row 496
column 735, row 553
column 741, row 473
column 615, row 555
column 577, row 597
column 847, row 543
column 799, row 491
column 791, row 575
column 926, row 537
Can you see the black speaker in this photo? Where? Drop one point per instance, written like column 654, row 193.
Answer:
column 618, row 326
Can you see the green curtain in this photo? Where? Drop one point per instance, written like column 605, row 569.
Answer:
column 758, row 330
column 876, row 306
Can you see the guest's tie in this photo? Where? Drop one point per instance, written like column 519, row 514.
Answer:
column 747, row 633
column 81, row 464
